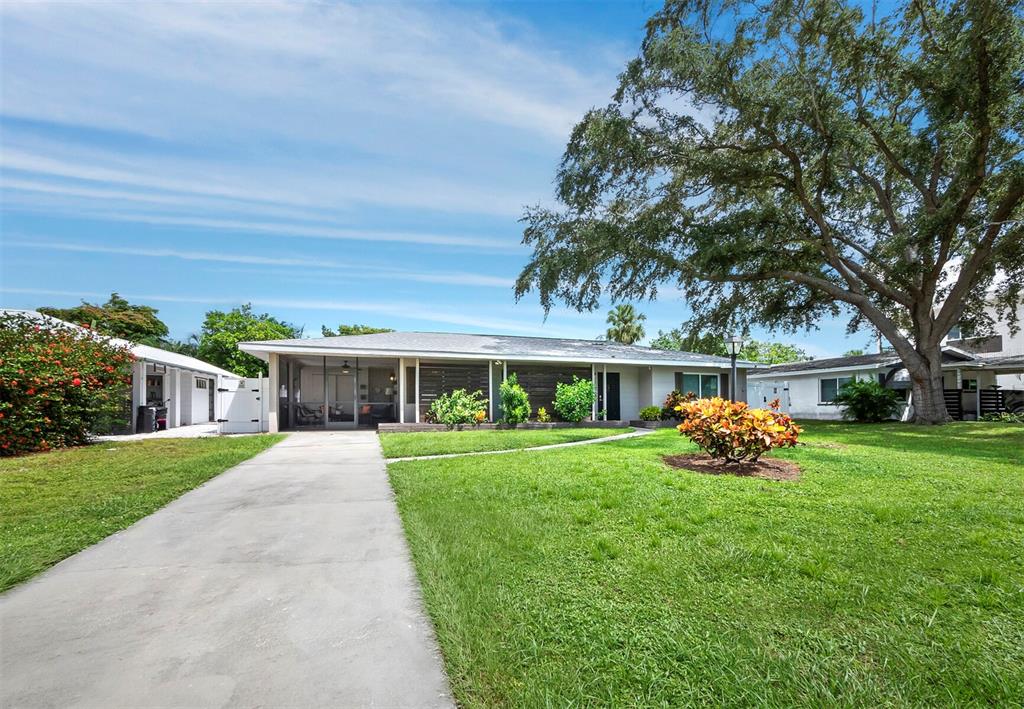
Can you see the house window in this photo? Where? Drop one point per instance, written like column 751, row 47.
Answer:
column 703, row 385
column 201, row 383
column 970, row 385
column 829, row 387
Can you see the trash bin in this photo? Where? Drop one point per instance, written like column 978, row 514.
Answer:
column 145, row 421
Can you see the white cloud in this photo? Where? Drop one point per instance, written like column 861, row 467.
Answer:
column 481, row 319
column 351, row 269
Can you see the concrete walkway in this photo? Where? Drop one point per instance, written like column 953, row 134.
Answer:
column 586, row 442
column 284, row 582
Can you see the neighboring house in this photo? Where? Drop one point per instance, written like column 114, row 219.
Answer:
column 808, row 389
column 363, row 380
column 1002, row 349
column 184, row 389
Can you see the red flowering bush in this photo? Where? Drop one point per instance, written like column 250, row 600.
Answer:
column 57, row 385
column 734, row 432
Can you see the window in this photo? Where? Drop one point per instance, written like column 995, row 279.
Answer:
column 703, row 385
column 970, row 385
column 829, row 387
column 201, row 383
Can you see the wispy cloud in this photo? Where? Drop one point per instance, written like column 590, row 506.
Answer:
column 350, row 269
column 413, row 310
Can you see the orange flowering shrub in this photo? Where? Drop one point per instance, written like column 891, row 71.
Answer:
column 57, row 385
column 733, row 431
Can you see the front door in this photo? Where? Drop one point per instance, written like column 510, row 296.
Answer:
column 612, row 405
column 608, row 401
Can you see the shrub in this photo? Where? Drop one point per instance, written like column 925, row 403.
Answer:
column 734, row 432
column 543, row 416
column 1004, row 417
column 515, row 403
column 459, row 408
column 574, row 402
column 675, row 399
column 57, row 385
column 867, row 401
column 650, row 413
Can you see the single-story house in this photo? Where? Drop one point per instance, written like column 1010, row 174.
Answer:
column 808, row 389
column 364, row 380
column 183, row 389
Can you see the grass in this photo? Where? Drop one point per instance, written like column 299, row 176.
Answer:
column 892, row 574
column 402, row 445
column 55, row 504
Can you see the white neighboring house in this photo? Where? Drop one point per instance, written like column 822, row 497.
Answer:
column 185, row 386
column 983, row 374
column 1002, row 351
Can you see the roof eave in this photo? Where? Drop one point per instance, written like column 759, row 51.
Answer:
column 266, row 348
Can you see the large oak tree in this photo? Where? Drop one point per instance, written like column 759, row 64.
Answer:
column 783, row 162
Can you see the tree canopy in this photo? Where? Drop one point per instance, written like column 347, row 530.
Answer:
column 222, row 331
column 352, row 330
column 753, row 350
column 117, row 318
column 625, row 324
column 784, row 162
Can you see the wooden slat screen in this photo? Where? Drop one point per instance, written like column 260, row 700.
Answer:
column 539, row 381
column 437, row 379
column 954, row 403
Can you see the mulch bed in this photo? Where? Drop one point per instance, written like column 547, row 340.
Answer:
column 767, row 468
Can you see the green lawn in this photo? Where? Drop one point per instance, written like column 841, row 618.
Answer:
column 55, row 504
column 402, row 445
column 891, row 574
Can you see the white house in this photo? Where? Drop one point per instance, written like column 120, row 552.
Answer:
column 183, row 389
column 980, row 374
column 393, row 377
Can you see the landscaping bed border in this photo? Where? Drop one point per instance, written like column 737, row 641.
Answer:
column 530, row 426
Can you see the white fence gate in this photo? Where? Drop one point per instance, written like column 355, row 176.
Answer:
column 244, row 409
column 763, row 392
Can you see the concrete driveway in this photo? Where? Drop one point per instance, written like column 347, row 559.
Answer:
column 284, row 582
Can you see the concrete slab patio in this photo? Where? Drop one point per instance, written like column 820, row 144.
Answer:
column 284, row 582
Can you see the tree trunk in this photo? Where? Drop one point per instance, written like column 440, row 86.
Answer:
column 926, row 385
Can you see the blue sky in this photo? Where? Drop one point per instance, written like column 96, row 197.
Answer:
column 328, row 162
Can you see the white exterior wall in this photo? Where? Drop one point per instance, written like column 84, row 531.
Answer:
column 804, row 392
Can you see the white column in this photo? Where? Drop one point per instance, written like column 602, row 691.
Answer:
column 605, row 388
column 593, row 380
column 490, row 391
column 417, row 419
column 174, row 396
column 401, row 390
column 274, row 385
column 138, row 389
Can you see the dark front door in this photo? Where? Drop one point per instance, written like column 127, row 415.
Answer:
column 614, row 414
column 609, row 401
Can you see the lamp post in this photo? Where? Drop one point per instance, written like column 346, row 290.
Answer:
column 733, row 343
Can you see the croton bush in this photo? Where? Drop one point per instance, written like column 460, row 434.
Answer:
column 733, row 432
column 57, row 385
column 673, row 401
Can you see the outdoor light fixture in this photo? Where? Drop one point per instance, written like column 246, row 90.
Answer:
column 391, row 377
column 733, row 345
column 345, row 367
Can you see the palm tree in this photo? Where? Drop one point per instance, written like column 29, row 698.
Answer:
column 625, row 324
